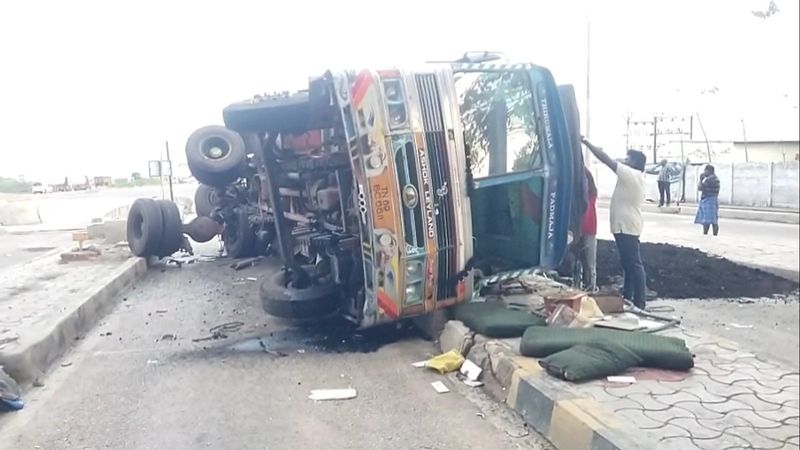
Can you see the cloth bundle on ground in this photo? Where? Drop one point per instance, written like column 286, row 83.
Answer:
column 661, row 352
column 590, row 361
column 495, row 320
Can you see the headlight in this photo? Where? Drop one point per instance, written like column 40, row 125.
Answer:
column 414, row 270
column 393, row 90
column 397, row 115
column 413, row 292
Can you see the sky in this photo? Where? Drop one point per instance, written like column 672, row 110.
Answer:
column 97, row 87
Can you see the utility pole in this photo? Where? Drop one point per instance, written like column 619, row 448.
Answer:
column 627, row 131
column 588, row 86
column 655, row 139
column 169, row 162
column 744, row 136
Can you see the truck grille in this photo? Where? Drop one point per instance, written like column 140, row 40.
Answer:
column 407, row 175
column 436, row 141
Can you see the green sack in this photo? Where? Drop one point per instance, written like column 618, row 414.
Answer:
column 590, row 361
column 495, row 320
column 655, row 351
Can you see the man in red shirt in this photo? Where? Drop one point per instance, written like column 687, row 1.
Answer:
column 587, row 242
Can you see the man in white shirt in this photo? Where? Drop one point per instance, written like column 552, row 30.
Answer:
column 626, row 218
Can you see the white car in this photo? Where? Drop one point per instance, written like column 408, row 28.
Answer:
column 39, row 188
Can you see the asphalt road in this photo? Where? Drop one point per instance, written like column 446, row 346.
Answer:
column 138, row 381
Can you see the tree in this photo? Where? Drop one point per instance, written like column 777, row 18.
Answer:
column 771, row 10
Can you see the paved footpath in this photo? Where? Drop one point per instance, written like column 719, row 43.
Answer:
column 732, row 398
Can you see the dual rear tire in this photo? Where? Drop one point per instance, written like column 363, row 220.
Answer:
column 154, row 228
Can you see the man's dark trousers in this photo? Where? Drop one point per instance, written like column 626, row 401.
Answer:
column 634, row 288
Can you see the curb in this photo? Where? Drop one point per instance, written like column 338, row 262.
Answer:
column 27, row 363
column 552, row 407
column 757, row 215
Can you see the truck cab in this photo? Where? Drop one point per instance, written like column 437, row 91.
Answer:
column 384, row 190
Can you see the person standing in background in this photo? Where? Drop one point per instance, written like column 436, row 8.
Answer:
column 625, row 211
column 708, row 209
column 587, row 247
column 664, row 193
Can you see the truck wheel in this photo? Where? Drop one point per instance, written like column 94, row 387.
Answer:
column 172, row 236
column 277, row 114
column 238, row 236
column 280, row 299
column 204, row 200
column 215, row 155
column 145, row 227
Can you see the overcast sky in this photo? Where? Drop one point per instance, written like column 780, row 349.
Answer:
column 96, row 87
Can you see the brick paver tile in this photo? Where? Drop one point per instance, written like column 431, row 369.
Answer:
column 648, row 402
column 730, row 405
column 637, row 418
column 758, row 404
column 781, row 433
column 698, row 410
column 726, row 390
column 683, row 443
column 695, row 429
column 754, row 439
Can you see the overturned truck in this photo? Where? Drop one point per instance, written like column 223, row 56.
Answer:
column 383, row 191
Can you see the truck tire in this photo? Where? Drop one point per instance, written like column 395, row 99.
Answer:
column 271, row 114
column 280, row 299
column 172, row 236
column 238, row 236
column 569, row 104
column 216, row 155
column 145, row 227
column 204, row 200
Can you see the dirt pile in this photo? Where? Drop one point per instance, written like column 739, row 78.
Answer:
column 682, row 272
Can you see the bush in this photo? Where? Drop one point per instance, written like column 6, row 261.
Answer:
column 12, row 186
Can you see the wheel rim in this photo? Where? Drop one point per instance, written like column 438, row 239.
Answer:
column 215, row 148
column 138, row 226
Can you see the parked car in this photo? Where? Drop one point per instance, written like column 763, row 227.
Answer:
column 40, row 188
column 382, row 190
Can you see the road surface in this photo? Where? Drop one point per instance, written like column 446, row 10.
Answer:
column 766, row 245
column 137, row 381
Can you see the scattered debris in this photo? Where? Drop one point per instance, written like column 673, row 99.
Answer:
column 10, row 393
column 470, row 370
column 269, row 351
column 80, row 255
column 66, row 364
column 168, row 337
column 153, row 362
column 301, row 350
column 740, row 326
column 182, row 259
column 105, row 334
column 420, row 364
column 621, row 379
column 481, row 415
column 332, row 394
column 246, row 262
column 37, row 382
column 161, row 311
column 472, row 383
column 446, row 362
column 221, row 331
column 440, row 387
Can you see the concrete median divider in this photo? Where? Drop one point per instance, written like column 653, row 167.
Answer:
column 47, row 315
column 25, row 212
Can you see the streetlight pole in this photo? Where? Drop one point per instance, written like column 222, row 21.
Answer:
column 588, row 85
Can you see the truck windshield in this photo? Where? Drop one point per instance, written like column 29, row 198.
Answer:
column 500, row 127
